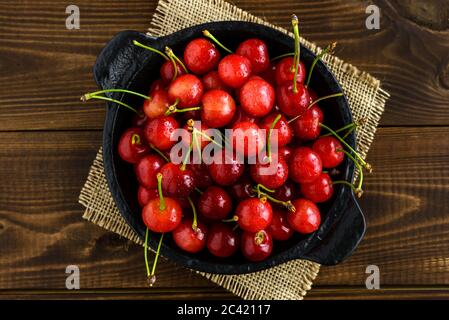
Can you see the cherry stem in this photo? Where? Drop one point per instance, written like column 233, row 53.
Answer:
column 259, row 238
column 159, row 190
column 261, row 194
column 276, row 120
column 366, row 165
column 137, row 43
column 87, row 96
column 199, row 191
column 159, row 152
column 195, row 218
column 145, row 253
column 196, row 144
column 335, row 95
column 350, row 126
column 209, row 35
column 195, row 130
column 172, row 109
column 349, row 131
column 111, row 100
column 186, row 158
column 358, row 192
column 283, row 56
column 297, row 56
column 233, row 219
column 359, row 167
column 171, row 54
column 328, row 50
column 152, row 278
column 261, row 186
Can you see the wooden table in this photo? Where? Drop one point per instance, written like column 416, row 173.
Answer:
column 48, row 140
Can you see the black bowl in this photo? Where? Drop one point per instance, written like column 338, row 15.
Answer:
column 123, row 65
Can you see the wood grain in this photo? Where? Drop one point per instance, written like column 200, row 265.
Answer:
column 41, row 230
column 45, row 67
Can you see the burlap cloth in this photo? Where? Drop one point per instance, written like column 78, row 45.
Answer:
column 291, row 280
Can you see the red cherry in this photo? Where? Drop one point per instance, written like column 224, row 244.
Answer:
column 257, row 97
column 201, row 56
column 157, row 105
column 270, row 174
column 241, row 116
column 222, row 241
column 225, row 169
column 257, row 246
column 218, row 108
column 147, row 169
column 160, row 132
column 247, row 139
column 212, row 81
column 285, row 152
column 313, row 96
column 139, row 120
column 328, row 149
column 130, row 145
column 254, row 214
column 285, row 71
column 242, row 189
column 257, row 52
column 157, row 85
column 286, row 192
column 144, row 195
column 284, row 131
column 306, row 219
column 167, row 71
column 234, row 70
column 201, row 175
column 320, row 190
column 307, row 126
column 215, row 203
column 290, row 103
column 177, row 182
column 279, row 228
column 270, row 75
column 187, row 89
column 162, row 220
column 305, row 165
column 190, row 240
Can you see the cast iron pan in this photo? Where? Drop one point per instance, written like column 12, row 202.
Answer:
column 123, row 65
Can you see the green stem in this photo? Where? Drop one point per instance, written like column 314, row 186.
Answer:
column 175, row 67
column 170, row 53
column 357, row 191
column 137, row 43
column 209, row 35
column 207, row 137
column 159, row 152
column 335, row 95
column 283, row 56
column 172, row 109
column 349, row 132
column 115, row 101
column 152, row 278
column 297, row 51
column 186, row 158
column 88, row 95
column 196, row 144
column 276, row 120
column 351, row 126
column 198, row 190
column 359, row 167
column 145, row 253
column 162, row 205
column 287, row 204
column 195, row 218
column 327, row 50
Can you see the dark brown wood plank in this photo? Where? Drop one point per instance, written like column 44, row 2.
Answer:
column 45, row 67
column 42, row 231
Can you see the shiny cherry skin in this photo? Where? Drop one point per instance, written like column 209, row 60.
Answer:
column 167, row 71
column 160, row 132
column 285, row 71
column 225, row 169
column 257, row 97
column 286, row 192
column 201, row 175
column 290, row 103
column 144, row 195
column 156, row 85
column 254, row 214
column 139, row 120
column 257, row 52
column 215, row 203
column 307, row 126
column 222, row 241
column 190, row 240
column 320, row 190
column 284, row 131
column 270, row 174
column 329, row 150
column 147, row 168
column 218, row 108
column 234, row 70
column 305, row 165
column 306, row 219
column 131, row 147
column 187, row 89
column 269, row 75
column 241, row 116
column 242, row 189
column 257, row 246
column 157, row 105
column 285, row 152
column 201, row 56
column 248, row 139
column 176, row 182
column 165, row 220
column 211, row 80
column 279, row 228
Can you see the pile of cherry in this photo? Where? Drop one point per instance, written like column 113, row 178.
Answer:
column 224, row 207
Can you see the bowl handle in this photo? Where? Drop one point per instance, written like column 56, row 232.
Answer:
column 342, row 240
column 120, row 59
